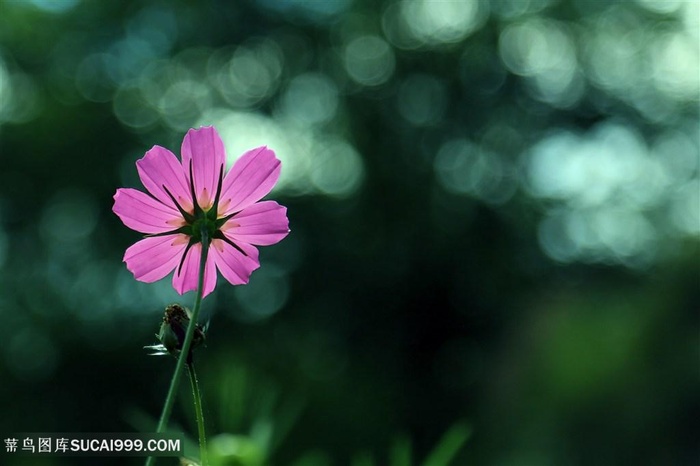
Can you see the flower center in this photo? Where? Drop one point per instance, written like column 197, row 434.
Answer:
column 204, row 222
column 200, row 222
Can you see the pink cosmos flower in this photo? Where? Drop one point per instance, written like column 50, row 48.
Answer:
column 186, row 197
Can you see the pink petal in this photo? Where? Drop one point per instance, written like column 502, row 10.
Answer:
column 204, row 149
column 234, row 266
column 142, row 213
column 251, row 177
column 261, row 224
column 186, row 278
column 153, row 258
column 160, row 169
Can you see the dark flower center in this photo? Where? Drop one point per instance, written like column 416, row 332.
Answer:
column 202, row 225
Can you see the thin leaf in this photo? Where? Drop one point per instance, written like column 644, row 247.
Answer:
column 450, row 443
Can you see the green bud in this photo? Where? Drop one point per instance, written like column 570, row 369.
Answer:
column 173, row 330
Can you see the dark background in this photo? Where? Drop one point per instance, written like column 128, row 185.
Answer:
column 495, row 212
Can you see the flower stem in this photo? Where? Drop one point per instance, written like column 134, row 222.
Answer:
column 175, row 381
column 203, row 457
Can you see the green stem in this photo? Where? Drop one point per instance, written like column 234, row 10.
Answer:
column 175, row 382
column 203, row 457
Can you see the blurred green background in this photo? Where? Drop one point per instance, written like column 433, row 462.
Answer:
column 495, row 214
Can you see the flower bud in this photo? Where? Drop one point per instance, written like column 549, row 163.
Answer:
column 173, row 330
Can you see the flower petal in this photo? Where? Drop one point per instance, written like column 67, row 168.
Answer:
column 160, row 169
column 142, row 213
column 262, row 224
column 251, row 177
column 186, row 277
column 153, row 258
column 234, row 266
column 204, row 150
